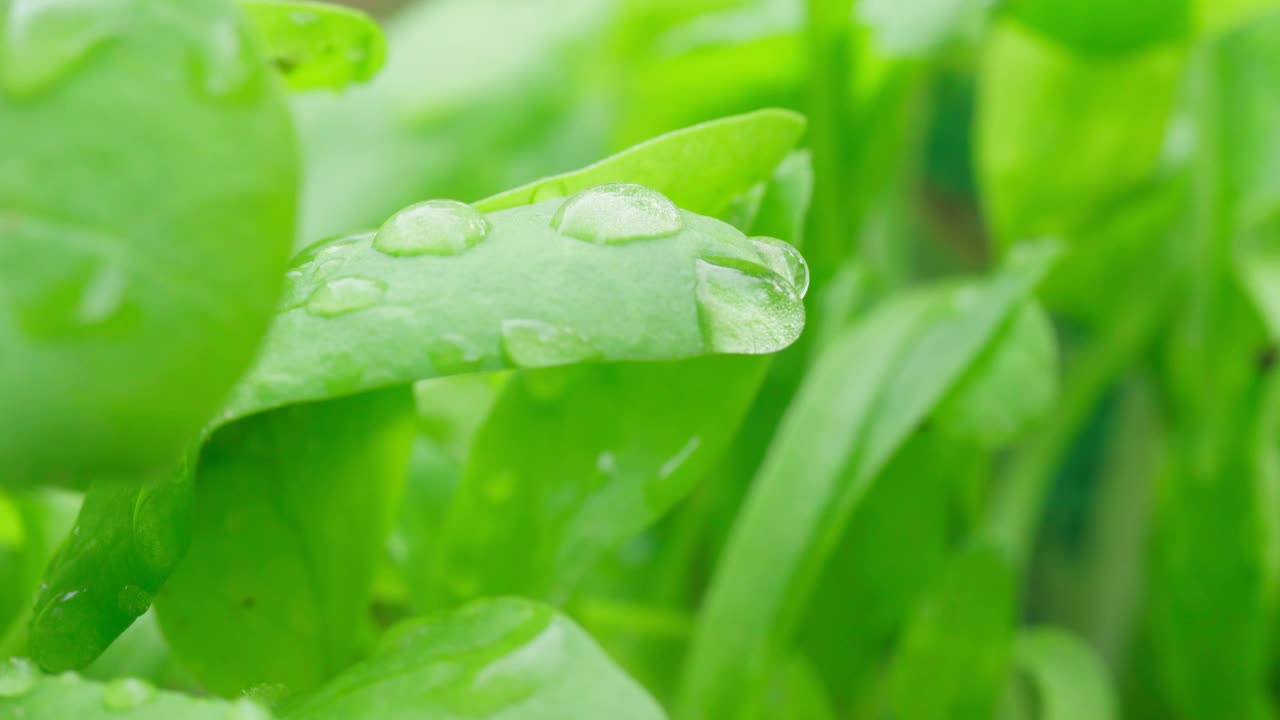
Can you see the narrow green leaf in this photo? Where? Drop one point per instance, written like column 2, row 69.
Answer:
column 742, row 149
column 128, row 537
column 863, row 398
column 503, row 659
column 318, row 45
column 30, row 696
column 119, row 341
column 1011, row 385
column 291, row 512
column 956, row 649
column 1070, row 681
column 573, row 461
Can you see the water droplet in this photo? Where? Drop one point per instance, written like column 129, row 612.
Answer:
column 127, row 694
column 434, row 227
column 618, row 213
column 133, row 600
column 746, row 308
column 533, row 344
column 784, row 260
column 246, row 709
column 18, row 677
column 453, row 354
column 44, row 40
column 606, row 462
column 345, row 295
column 342, row 374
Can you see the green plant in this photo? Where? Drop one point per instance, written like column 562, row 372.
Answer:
column 898, row 359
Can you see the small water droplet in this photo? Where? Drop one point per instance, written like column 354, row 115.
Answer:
column 133, row 600
column 246, row 709
column 69, row 676
column 44, row 40
column 345, row 295
column 453, row 354
column 127, row 694
column 606, row 462
column 77, row 295
column 534, row 344
column 619, row 213
column 745, row 308
column 302, row 18
column 784, row 260
column 659, row 492
column 18, row 676
column 434, row 227
column 69, row 596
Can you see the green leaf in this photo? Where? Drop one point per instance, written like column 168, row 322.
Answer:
column 1104, row 27
column 862, row 399
column 441, row 289
column 291, row 512
column 1070, row 681
column 741, row 150
column 119, row 340
column 1012, row 385
column 1060, row 138
column 573, row 461
column 31, row 696
column 955, row 651
column 318, row 45
column 128, row 537
column 491, row 660
column 22, row 554
column 873, row 570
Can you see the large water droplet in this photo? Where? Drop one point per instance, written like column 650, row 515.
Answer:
column 18, row 676
column 133, row 600
column 784, row 260
column 345, row 295
column 453, row 354
column 618, row 213
column 246, row 709
column 533, row 344
column 745, row 308
column 46, row 39
column 434, row 227
column 127, row 694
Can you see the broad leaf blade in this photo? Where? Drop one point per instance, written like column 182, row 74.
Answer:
column 503, row 659
column 291, row 512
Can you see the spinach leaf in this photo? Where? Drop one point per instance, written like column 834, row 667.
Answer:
column 864, row 396
column 498, row 659
column 27, row 695
column 318, row 45
column 128, row 537
column 701, row 168
column 292, row 509
column 124, row 323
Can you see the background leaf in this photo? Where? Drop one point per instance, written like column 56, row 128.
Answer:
column 318, row 45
